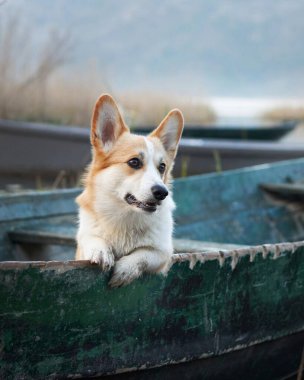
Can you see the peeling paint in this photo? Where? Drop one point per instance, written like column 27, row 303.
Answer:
column 252, row 253
column 237, row 347
column 265, row 251
column 60, row 319
column 275, row 250
column 68, row 323
column 235, row 258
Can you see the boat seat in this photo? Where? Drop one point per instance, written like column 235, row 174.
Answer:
column 289, row 193
column 45, row 235
column 52, row 234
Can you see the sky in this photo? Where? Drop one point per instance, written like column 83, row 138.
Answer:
column 231, row 48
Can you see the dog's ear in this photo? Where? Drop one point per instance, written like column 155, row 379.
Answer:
column 107, row 124
column 169, row 131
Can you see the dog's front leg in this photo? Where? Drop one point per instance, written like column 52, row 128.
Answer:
column 132, row 266
column 96, row 250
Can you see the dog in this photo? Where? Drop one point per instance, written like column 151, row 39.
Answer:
column 125, row 209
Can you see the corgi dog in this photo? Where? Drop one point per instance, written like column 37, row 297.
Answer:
column 125, row 209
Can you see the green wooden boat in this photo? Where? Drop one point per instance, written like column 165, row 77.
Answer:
column 231, row 307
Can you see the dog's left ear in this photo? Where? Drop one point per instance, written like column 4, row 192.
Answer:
column 107, row 124
column 169, row 131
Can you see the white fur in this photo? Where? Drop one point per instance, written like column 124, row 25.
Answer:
column 137, row 240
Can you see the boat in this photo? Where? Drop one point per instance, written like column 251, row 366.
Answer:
column 56, row 155
column 235, row 130
column 231, row 306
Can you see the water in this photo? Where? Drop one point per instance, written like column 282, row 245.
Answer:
column 250, row 108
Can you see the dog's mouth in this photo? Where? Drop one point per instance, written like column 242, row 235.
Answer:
column 146, row 206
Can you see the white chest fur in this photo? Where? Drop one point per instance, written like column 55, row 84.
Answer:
column 125, row 230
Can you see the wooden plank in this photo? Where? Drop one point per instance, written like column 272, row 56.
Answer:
column 61, row 319
column 64, row 223
column 41, row 237
column 37, row 204
column 290, row 192
column 64, row 235
column 231, row 208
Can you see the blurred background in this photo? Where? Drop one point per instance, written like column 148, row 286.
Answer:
column 234, row 68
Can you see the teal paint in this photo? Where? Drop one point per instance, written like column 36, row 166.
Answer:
column 63, row 319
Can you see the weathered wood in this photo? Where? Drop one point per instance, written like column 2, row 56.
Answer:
column 231, row 208
column 257, row 362
column 34, row 209
column 64, row 235
column 41, row 236
column 61, row 319
column 227, row 208
column 37, row 204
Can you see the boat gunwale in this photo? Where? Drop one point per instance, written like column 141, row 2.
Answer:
column 192, row 257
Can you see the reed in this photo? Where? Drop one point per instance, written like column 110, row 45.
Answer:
column 44, row 86
column 285, row 113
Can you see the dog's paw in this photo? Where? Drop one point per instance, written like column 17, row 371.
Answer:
column 103, row 257
column 125, row 271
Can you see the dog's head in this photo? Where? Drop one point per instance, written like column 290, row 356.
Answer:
column 132, row 170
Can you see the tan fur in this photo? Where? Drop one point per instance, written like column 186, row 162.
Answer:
column 111, row 230
column 127, row 147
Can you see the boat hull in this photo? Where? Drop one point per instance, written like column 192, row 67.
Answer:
column 61, row 319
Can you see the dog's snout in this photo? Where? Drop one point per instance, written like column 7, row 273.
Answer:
column 159, row 192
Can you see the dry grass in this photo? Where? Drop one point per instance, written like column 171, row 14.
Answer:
column 72, row 103
column 285, row 113
column 70, row 100
column 25, row 72
column 35, row 88
column 147, row 108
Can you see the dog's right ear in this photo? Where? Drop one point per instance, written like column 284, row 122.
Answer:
column 107, row 124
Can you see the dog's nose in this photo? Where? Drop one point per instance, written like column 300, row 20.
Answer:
column 159, row 192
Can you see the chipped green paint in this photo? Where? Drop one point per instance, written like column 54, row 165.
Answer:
column 60, row 319
column 68, row 322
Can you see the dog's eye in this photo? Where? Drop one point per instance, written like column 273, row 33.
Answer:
column 135, row 163
column 162, row 168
